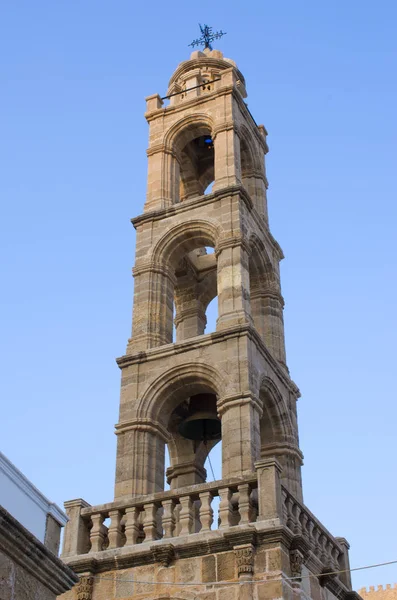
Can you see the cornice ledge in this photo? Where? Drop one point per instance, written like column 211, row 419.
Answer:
column 23, row 547
column 179, row 347
column 193, row 545
column 188, row 103
column 180, row 207
column 209, row 339
column 337, row 587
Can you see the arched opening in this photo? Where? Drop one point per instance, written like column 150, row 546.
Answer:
column 259, row 285
column 211, row 316
column 266, row 300
column 183, row 403
column 278, row 436
column 192, row 166
column 196, row 166
column 253, row 171
column 185, row 281
column 195, row 294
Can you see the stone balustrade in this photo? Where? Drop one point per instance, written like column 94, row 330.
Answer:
column 251, row 500
column 303, row 523
column 162, row 515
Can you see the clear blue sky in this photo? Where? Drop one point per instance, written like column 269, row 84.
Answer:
column 322, row 78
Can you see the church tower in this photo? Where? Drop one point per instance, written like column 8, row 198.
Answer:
column 248, row 534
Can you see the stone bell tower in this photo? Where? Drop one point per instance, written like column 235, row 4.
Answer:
column 187, row 390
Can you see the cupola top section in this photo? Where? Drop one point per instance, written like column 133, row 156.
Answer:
column 203, row 67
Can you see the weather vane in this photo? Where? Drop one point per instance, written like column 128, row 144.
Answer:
column 207, row 36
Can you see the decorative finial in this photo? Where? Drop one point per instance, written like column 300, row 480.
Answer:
column 207, row 37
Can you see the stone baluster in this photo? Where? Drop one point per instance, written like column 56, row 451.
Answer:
column 186, row 516
column 206, row 511
column 114, row 532
column 304, row 521
column 131, row 525
column 335, row 557
column 297, row 523
column 244, row 504
column 284, row 498
column 310, row 528
column 225, row 508
column 290, row 515
column 168, row 518
column 323, row 555
column 150, row 522
column 98, row 531
column 316, row 540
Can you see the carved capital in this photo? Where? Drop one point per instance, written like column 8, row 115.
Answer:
column 296, row 560
column 244, row 559
column 84, row 587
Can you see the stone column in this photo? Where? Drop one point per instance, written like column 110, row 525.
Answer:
column 240, row 435
column 255, row 184
column 233, row 286
column 163, row 179
column 245, row 568
column 267, row 312
column 273, row 305
column 76, row 536
column 190, row 319
column 269, row 490
column 140, row 458
column 152, row 322
column 226, row 140
column 227, row 158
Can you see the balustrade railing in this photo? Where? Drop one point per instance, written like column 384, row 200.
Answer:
column 302, row 522
column 190, row 510
column 169, row 514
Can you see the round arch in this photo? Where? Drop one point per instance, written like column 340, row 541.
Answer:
column 260, row 266
column 250, row 157
column 184, row 238
column 275, row 425
column 166, row 392
column 187, row 129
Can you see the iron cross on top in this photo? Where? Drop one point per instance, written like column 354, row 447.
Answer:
column 207, row 36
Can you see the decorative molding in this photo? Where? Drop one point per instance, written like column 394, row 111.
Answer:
column 187, row 205
column 153, row 267
column 163, row 554
column 31, row 491
column 84, row 587
column 143, row 424
column 238, row 399
column 296, row 561
column 244, row 559
column 235, row 331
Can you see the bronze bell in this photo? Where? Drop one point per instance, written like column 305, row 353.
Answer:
column 203, row 424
